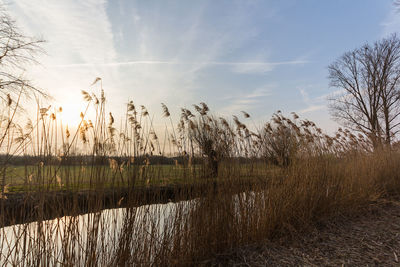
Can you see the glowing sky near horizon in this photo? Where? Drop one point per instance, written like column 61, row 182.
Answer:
column 257, row 56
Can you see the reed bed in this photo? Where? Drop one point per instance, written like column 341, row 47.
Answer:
column 253, row 183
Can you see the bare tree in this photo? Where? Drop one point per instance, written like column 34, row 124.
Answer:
column 16, row 52
column 369, row 79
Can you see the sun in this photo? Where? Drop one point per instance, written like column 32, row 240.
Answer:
column 69, row 111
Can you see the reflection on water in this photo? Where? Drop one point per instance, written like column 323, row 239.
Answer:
column 143, row 234
column 104, row 233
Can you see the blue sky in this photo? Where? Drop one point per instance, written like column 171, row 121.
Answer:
column 257, row 56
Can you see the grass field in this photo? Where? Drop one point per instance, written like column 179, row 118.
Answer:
column 25, row 178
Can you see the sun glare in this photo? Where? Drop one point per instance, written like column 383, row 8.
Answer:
column 71, row 110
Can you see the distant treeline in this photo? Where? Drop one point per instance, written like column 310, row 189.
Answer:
column 101, row 160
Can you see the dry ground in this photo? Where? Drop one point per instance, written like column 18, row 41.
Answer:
column 372, row 238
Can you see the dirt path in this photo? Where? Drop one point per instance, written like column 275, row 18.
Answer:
column 370, row 239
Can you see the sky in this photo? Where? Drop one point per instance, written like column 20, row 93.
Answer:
column 256, row 56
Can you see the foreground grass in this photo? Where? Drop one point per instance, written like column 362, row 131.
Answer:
column 315, row 178
column 303, row 195
column 367, row 238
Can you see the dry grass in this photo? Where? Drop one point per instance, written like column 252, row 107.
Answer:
column 368, row 238
column 306, row 177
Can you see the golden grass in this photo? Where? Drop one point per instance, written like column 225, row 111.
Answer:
column 277, row 180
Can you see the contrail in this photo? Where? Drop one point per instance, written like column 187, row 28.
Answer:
column 156, row 62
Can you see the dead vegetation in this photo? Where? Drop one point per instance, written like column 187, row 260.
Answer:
column 368, row 238
column 278, row 180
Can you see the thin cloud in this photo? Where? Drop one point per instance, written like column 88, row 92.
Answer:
column 173, row 57
column 245, row 101
column 391, row 24
column 333, row 94
column 243, row 67
column 316, row 103
column 311, row 108
column 262, row 67
column 75, row 30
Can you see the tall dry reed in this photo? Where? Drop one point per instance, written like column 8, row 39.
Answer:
column 234, row 184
